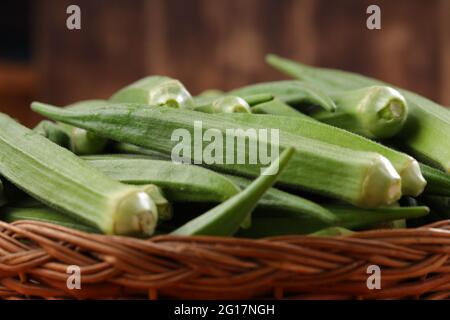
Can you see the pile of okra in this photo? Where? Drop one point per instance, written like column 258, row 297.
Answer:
column 327, row 153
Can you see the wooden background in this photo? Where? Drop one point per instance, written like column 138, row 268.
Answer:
column 222, row 44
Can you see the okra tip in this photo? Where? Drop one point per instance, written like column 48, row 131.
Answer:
column 136, row 214
column 413, row 182
column 385, row 111
column 382, row 185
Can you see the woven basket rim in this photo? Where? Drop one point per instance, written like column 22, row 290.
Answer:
column 34, row 257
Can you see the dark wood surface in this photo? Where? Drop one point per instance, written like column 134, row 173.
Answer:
column 222, row 43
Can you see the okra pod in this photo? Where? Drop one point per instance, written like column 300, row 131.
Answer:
column 438, row 182
column 292, row 92
column 58, row 178
column 362, row 178
column 156, row 90
column 53, row 132
column 225, row 104
column 426, row 132
column 278, row 107
column 374, row 112
column 187, row 183
column 43, row 214
column 413, row 182
column 355, row 219
column 226, row 218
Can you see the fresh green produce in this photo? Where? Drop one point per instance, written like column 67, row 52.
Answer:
column 131, row 149
column 272, row 224
column 226, row 104
column 438, row 182
column 413, row 182
column 187, row 183
column 81, row 141
column 278, row 107
column 426, row 132
column 12, row 214
column 362, row 178
column 374, row 112
column 156, row 90
column 61, row 180
column 226, row 218
column 291, row 92
column 53, row 132
column 180, row 182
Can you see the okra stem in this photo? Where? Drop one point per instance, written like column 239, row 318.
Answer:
column 438, row 182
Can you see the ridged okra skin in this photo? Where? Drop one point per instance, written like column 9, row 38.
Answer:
column 58, row 178
column 362, row 178
column 156, row 90
column 413, row 182
column 188, row 183
column 426, row 132
column 270, row 224
column 292, row 92
column 226, row 218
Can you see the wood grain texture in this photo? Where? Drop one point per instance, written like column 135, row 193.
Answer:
column 222, row 44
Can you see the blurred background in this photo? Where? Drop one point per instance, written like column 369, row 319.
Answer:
column 212, row 44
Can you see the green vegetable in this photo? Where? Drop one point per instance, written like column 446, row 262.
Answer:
column 53, row 132
column 81, row 141
column 362, row 178
column 289, row 91
column 226, row 218
column 374, row 112
column 413, row 183
column 438, row 182
column 226, row 104
column 128, row 148
column 277, row 107
column 44, row 215
column 61, row 180
column 426, row 132
column 180, row 182
column 156, row 90
column 274, row 224
column 187, row 183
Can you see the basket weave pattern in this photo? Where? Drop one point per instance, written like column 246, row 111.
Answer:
column 34, row 257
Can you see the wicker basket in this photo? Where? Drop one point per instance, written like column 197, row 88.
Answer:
column 34, row 258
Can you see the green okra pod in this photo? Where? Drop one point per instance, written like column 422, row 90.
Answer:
column 187, row 183
column 156, row 90
column 278, row 107
column 413, row 182
column 225, row 104
column 438, row 182
column 374, row 112
column 355, row 219
column 43, row 214
column 362, row 178
column 58, row 178
column 292, row 92
column 426, row 132
column 226, row 218
column 54, row 133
